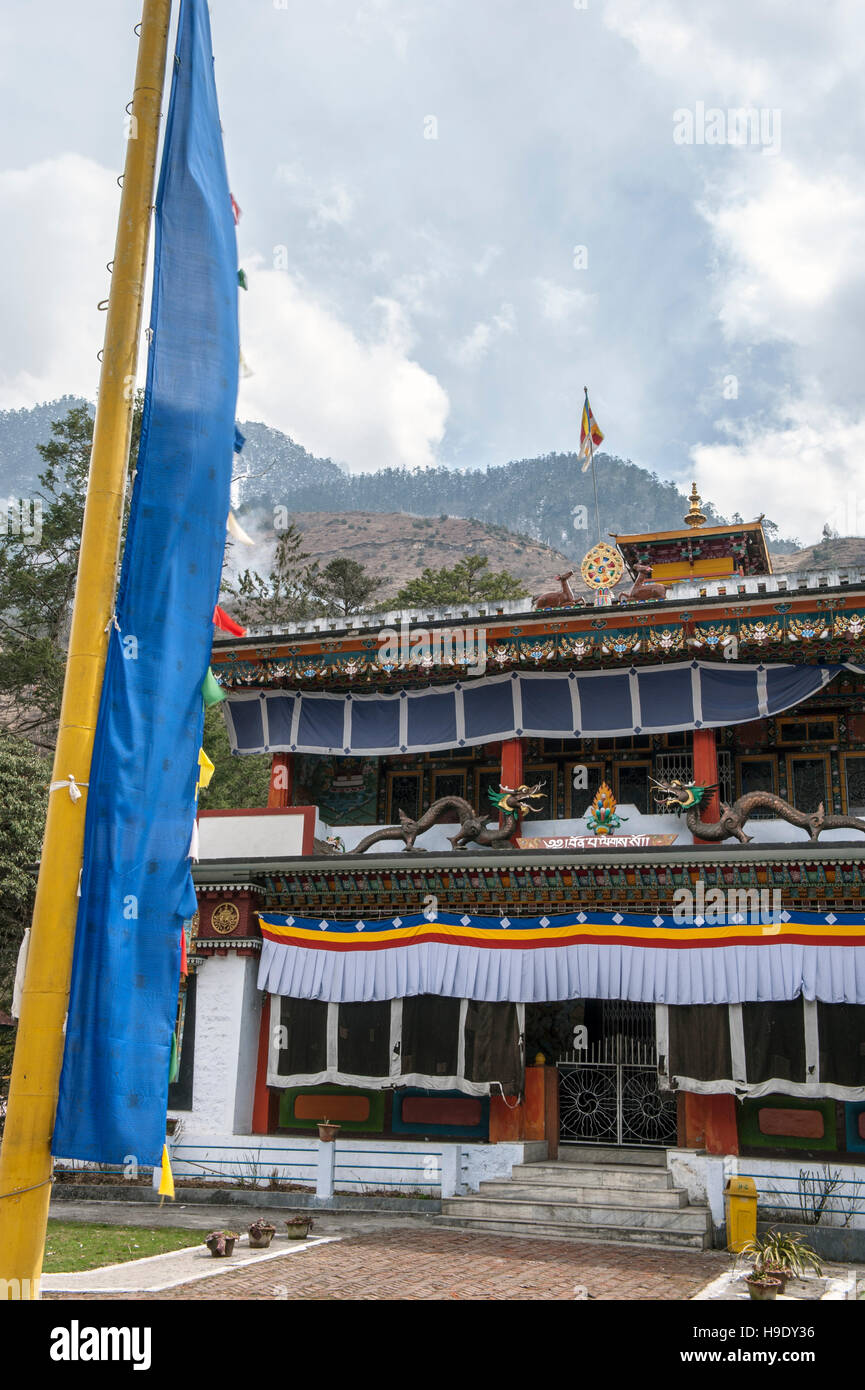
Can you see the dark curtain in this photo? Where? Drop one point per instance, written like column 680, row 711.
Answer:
column 775, row 1041
column 841, row 1034
column 700, row 1042
column 430, row 1035
column 493, row 1045
column 363, row 1035
column 180, row 1091
column 304, row 1049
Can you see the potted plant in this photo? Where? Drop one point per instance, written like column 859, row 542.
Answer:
column 298, row 1227
column 221, row 1243
column 261, row 1233
column 328, row 1131
column 778, row 1256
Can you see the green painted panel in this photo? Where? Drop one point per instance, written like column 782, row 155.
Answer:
column 751, row 1135
column 374, row 1124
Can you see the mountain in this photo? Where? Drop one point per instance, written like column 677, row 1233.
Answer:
column 836, row 552
column 399, row 547
column 20, row 432
column 547, row 498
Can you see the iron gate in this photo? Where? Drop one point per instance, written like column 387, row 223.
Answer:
column 608, row 1090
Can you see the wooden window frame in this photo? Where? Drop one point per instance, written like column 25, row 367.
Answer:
column 391, row 811
column 790, row 759
column 808, row 719
column 647, row 763
column 757, row 758
column 571, row 813
column 843, row 779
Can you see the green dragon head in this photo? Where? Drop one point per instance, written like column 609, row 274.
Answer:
column 516, row 801
column 677, row 796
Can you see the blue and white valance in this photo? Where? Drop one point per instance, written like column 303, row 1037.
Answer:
column 595, row 955
column 537, row 704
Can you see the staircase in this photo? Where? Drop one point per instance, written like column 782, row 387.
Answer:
column 591, row 1194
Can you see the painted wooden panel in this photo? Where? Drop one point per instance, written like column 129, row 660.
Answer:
column 758, row 1131
column 353, row 1109
column 795, row 1124
column 456, row 1128
column 463, row 1111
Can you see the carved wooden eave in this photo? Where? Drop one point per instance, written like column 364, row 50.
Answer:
column 798, row 619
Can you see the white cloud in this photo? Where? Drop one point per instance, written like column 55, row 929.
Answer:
column 802, row 469
column 364, row 403
column 788, row 242
column 473, row 348
column 560, row 304
column 56, row 235
column 325, row 203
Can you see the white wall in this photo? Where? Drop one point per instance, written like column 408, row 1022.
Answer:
column 704, row 1177
column 362, row 1165
column 239, row 837
column 227, row 1014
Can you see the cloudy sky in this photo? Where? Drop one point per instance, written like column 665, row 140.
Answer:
column 456, row 213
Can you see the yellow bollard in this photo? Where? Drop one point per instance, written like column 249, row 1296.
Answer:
column 740, row 1196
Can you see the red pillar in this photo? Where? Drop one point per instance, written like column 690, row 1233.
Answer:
column 710, row 1123
column 281, row 780
column 261, row 1098
column 512, row 767
column 706, row 775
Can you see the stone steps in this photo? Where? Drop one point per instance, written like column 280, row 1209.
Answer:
column 594, row 1176
column 577, row 1195
column 594, row 1199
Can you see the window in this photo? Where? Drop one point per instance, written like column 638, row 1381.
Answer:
column 808, row 781
column 632, row 785
column 449, row 784
column 581, row 782
column 755, row 774
column 853, row 783
column 822, row 729
column 403, row 794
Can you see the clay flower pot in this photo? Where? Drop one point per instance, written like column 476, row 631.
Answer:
column 328, row 1132
column 221, row 1243
column 298, row 1227
column 261, row 1233
column 763, row 1286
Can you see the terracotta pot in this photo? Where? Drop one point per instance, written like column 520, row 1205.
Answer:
column 763, row 1288
column 328, row 1132
column 213, row 1247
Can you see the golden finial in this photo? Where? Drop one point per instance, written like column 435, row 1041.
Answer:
column 695, row 517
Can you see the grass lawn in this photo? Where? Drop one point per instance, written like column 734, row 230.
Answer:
column 73, row 1245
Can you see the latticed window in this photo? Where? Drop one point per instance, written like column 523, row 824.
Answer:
column 679, row 766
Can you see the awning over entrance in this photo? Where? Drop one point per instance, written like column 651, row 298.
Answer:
column 537, row 704
column 593, row 956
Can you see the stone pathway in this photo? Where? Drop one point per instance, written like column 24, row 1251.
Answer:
column 411, row 1262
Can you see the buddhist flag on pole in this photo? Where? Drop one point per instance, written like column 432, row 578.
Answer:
column 136, row 882
column 590, row 435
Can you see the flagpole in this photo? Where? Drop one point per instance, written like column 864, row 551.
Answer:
column 25, row 1158
column 592, row 458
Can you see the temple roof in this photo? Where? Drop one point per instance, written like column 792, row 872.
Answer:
column 705, row 551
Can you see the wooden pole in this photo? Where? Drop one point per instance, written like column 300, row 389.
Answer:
column 25, row 1160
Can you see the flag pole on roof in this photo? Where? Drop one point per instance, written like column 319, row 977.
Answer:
column 25, row 1159
column 590, row 435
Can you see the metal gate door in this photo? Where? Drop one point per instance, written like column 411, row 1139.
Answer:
column 608, row 1090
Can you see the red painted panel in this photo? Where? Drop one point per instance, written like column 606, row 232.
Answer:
column 331, row 1107
column 794, row 1124
column 862, row 1125
column 463, row 1112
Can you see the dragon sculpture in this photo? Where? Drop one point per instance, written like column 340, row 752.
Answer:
column 511, row 802
column 685, row 798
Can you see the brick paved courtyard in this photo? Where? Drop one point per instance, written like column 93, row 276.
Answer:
column 400, row 1263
